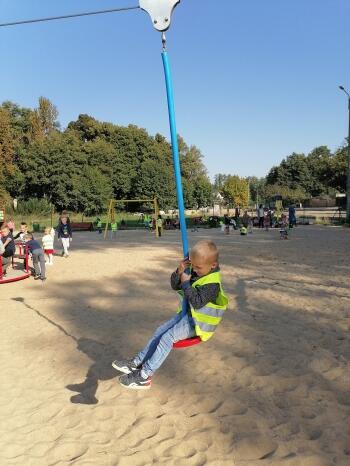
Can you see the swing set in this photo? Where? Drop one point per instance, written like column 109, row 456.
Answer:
column 113, row 204
column 160, row 12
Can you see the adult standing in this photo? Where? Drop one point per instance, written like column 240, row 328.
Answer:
column 260, row 214
column 292, row 216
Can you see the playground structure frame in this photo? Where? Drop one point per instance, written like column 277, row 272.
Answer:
column 114, row 202
column 22, row 275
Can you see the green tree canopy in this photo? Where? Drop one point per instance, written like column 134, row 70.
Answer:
column 236, row 191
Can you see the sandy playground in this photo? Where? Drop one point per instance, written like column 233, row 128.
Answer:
column 271, row 388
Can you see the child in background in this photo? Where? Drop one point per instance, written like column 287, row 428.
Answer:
column 114, row 229
column 159, row 225
column 99, row 225
column 243, row 230
column 64, row 232
column 38, row 257
column 250, row 224
column 47, row 242
column 283, row 230
column 20, row 235
column 207, row 303
column 267, row 221
column 11, row 225
column 8, row 246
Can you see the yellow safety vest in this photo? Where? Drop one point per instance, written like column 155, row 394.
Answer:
column 208, row 317
column 159, row 222
column 114, row 226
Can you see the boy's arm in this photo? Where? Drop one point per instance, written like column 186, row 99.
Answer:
column 7, row 242
column 202, row 295
column 175, row 281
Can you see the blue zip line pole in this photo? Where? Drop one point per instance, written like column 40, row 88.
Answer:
column 176, row 161
column 175, row 150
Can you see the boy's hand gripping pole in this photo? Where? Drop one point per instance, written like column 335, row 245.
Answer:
column 160, row 12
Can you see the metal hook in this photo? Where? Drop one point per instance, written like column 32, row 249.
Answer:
column 164, row 41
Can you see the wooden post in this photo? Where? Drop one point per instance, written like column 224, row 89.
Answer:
column 109, row 217
column 156, row 213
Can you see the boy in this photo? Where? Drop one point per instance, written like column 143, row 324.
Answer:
column 64, row 231
column 206, row 305
column 37, row 255
column 9, row 248
column 21, row 234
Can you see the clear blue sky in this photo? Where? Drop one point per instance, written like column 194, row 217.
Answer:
column 254, row 80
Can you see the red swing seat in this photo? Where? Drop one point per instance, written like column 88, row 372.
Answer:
column 188, row 342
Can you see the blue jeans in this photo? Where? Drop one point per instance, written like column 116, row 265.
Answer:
column 160, row 345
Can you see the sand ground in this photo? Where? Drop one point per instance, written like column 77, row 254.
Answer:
column 271, row 388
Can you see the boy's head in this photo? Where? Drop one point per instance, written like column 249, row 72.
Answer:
column 5, row 230
column 64, row 220
column 28, row 237
column 23, row 227
column 204, row 257
column 47, row 230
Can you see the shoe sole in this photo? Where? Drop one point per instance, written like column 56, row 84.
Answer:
column 122, row 369
column 135, row 387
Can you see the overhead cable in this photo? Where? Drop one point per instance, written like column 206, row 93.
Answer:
column 76, row 15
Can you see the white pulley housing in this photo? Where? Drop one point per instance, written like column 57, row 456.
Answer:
column 160, row 12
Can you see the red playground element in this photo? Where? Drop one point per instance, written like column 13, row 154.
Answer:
column 18, row 271
column 188, row 342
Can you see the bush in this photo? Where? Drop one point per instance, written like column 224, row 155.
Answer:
column 36, row 207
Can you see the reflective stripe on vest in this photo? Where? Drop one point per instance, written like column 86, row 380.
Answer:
column 208, row 317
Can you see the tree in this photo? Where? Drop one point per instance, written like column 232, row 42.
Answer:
column 47, row 115
column 337, row 173
column 235, row 191
column 7, row 168
column 90, row 191
column 256, row 188
column 289, row 195
column 195, row 180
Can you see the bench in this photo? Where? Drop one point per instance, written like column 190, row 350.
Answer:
column 82, row 226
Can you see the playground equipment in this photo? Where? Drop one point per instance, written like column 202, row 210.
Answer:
column 17, row 273
column 113, row 203
column 160, row 12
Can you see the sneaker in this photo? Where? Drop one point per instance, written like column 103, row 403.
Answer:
column 37, row 277
column 62, row 253
column 135, row 381
column 125, row 365
column 43, row 279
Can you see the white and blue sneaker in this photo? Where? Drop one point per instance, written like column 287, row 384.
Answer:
column 135, row 381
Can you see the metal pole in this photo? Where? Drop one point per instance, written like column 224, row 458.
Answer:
column 342, row 88
column 348, row 177
column 175, row 150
